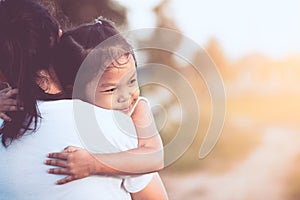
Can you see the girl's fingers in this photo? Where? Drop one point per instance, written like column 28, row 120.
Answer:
column 58, row 163
column 58, row 155
column 62, row 171
column 65, row 180
column 71, row 149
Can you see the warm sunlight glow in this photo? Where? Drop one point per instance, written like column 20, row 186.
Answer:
column 242, row 27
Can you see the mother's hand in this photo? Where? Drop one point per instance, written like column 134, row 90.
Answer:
column 74, row 162
column 8, row 102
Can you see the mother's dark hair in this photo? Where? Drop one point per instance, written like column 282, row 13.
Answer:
column 27, row 36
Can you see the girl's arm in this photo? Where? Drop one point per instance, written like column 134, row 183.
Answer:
column 155, row 190
column 147, row 157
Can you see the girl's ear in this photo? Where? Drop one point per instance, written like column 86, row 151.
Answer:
column 60, row 33
column 54, row 39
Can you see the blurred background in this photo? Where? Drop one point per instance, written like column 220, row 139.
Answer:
column 255, row 45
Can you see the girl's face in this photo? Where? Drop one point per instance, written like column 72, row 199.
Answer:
column 117, row 89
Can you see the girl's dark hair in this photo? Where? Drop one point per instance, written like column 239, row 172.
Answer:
column 27, row 37
column 84, row 51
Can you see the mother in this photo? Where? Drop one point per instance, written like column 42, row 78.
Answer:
column 27, row 39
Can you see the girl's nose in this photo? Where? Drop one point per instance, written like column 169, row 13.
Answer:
column 124, row 96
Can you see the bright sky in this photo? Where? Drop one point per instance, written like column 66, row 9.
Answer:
column 271, row 27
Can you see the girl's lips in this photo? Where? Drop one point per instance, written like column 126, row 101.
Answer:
column 127, row 109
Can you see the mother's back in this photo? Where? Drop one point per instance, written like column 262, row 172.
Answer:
column 24, row 175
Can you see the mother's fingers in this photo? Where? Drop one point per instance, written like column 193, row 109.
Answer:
column 11, row 93
column 10, row 102
column 5, row 117
column 5, row 90
column 6, row 108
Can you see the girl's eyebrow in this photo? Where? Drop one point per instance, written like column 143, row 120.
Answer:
column 132, row 75
column 114, row 84
column 107, row 84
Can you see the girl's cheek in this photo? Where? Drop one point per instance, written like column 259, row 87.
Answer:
column 137, row 93
column 106, row 101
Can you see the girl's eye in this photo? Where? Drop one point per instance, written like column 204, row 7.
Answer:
column 110, row 90
column 132, row 81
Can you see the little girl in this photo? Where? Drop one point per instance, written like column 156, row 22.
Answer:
column 114, row 83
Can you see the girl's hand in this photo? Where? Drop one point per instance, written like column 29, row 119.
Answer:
column 8, row 103
column 74, row 162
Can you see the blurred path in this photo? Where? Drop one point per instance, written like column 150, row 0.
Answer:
column 261, row 176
